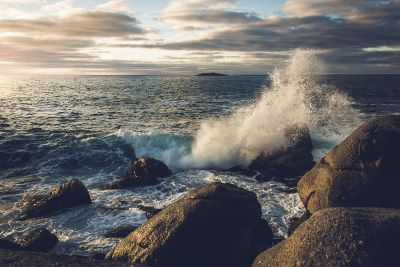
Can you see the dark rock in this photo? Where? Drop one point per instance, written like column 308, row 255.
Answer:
column 211, row 74
column 68, row 194
column 296, row 221
column 150, row 211
column 242, row 171
column 120, row 231
column 365, row 237
column 215, row 225
column 39, row 240
column 361, row 172
column 290, row 162
column 7, row 244
column 39, row 259
column 143, row 171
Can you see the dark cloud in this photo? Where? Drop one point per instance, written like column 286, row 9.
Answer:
column 82, row 24
column 214, row 17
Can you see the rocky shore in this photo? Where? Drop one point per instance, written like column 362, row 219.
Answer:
column 352, row 218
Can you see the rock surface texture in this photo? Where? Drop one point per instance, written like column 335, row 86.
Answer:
column 68, row 194
column 215, row 225
column 143, row 171
column 365, row 237
column 360, row 172
column 290, row 162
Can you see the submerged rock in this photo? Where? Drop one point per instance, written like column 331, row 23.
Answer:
column 150, row 211
column 143, row 171
column 39, row 240
column 120, row 231
column 67, row 194
column 365, row 237
column 361, row 172
column 215, row 225
column 290, row 162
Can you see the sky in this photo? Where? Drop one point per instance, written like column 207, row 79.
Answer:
column 192, row 36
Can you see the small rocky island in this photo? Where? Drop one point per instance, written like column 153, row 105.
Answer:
column 352, row 212
column 211, row 74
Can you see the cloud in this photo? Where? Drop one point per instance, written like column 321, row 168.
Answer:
column 81, row 24
column 114, row 6
column 205, row 12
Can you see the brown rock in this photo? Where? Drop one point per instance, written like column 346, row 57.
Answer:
column 360, row 172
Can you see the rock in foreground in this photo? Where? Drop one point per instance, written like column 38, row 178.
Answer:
column 68, row 194
column 290, row 162
column 39, row 240
column 143, row 171
column 365, row 237
column 38, row 259
column 215, row 225
column 361, row 172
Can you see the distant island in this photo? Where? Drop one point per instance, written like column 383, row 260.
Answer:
column 211, row 74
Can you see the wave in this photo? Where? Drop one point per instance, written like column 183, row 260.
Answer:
column 294, row 97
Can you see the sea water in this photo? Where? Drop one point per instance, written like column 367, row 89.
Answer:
column 54, row 128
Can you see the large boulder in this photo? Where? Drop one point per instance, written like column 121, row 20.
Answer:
column 9, row 245
column 340, row 237
column 292, row 161
column 143, row 171
column 215, row 225
column 360, row 172
column 67, row 194
column 39, row 240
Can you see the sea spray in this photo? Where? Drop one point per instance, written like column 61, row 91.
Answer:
column 294, row 97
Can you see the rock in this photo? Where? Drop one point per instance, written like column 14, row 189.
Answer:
column 296, row 221
column 143, row 171
column 242, row 171
column 7, row 244
column 120, row 231
column 39, row 259
column 39, row 240
column 340, row 237
column 215, row 225
column 293, row 161
column 150, row 211
column 360, row 172
column 68, row 194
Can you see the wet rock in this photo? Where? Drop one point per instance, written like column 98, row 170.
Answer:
column 39, row 240
column 340, row 237
column 143, row 171
column 120, row 231
column 290, row 162
column 8, row 244
column 215, row 225
column 361, row 172
column 242, row 171
column 67, row 194
column 150, row 211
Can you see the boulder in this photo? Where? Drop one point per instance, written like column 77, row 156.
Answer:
column 296, row 221
column 150, row 211
column 67, row 194
column 143, row 171
column 120, row 231
column 360, row 172
column 292, row 161
column 39, row 240
column 340, row 237
column 215, row 225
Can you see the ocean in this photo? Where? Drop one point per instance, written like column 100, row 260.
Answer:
column 54, row 128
